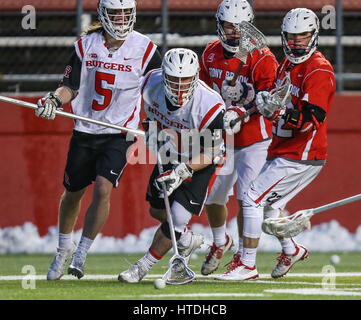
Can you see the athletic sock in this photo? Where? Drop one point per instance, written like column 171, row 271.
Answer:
column 288, row 246
column 219, row 235
column 149, row 259
column 64, row 241
column 249, row 257
column 240, row 246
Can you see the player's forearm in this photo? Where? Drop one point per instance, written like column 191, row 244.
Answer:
column 64, row 94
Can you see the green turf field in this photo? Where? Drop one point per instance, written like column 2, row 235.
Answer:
column 310, row 279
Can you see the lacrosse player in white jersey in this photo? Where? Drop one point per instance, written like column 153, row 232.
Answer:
column 102, row 81
column 179, row 103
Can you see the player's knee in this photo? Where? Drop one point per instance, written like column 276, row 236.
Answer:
column 181, row 217
column 166, row 231
column 102, row 189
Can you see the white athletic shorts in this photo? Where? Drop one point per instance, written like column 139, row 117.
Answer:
column 279, row 181
column 246, row 165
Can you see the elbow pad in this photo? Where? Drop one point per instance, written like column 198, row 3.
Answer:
column 307, row 119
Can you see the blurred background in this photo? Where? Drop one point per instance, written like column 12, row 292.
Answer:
column 33, row 151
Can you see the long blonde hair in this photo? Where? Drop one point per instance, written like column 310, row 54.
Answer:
column 95, row 27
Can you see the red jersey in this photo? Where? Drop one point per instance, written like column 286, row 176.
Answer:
column 313, row 81
column 259, row 70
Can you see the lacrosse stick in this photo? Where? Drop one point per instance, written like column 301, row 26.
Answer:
column 72, row 116
column 280, row 96
column 178, row 272
column 287, row 227
column 250, row 39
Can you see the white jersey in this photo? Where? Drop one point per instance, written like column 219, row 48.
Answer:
column 109, row 88
column 204, row 107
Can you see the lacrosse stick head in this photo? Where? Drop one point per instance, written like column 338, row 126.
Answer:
column 250, row 39
column 281, row 94
column 178, row 271
column 287, row 227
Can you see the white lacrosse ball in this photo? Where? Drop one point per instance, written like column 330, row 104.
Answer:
column 335, row 259
column 159, row 284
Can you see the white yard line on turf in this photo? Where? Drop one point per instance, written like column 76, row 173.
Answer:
column 315, row 291
column 153, row 276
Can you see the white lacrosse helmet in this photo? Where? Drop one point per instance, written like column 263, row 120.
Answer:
column 300, row 20
column 180, row 63
column 119, row 26
column 232, row 11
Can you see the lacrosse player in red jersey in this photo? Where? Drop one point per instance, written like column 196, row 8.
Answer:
column 299, row 145
column 179, row 103
column 252, row 135
column 103, row 80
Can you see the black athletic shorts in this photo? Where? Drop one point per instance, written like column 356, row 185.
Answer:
column 190, row 194
column 93, row 155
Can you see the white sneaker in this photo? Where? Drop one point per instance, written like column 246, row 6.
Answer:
column 215, row 255
column 196, row 242
column 241, row 272
column 57, row 267
column 134, row 274
column 76, row 266
column 285, row 262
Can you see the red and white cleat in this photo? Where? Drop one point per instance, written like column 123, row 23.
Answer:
column 285, row 262
column 215, row 255
column 240, row 273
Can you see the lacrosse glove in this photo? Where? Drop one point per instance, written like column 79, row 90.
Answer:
column 48, row 105
column 267, row 107
column 173, row 178
column 231, row 115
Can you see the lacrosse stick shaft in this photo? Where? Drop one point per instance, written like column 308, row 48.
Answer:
column 167, row 207
column 232, row 83
column 72, row 116
column 246, row 114
column 337, row 203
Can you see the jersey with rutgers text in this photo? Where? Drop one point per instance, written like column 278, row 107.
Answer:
column 259, row 70
column 109, row 88
column 313, row 81
column 203, row 111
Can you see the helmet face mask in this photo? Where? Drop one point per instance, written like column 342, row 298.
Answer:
column 117, row 17
column 180, row 69
column 233, row 12
column 299, row 25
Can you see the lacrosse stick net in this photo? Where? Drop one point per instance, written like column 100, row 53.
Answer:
column 250, row 39
column 178, row 271
column 280, row 95
column 291, row 226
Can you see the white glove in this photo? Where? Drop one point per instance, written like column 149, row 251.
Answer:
column 242, row 92
column 173, row 178
column 233, row 114
column 267, row 108
column 47, row 106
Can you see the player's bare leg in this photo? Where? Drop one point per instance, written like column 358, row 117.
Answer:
column 69, row 209
column 217, row 215
column 95, row 218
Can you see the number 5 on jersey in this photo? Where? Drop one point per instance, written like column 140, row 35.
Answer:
column 106, row 93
